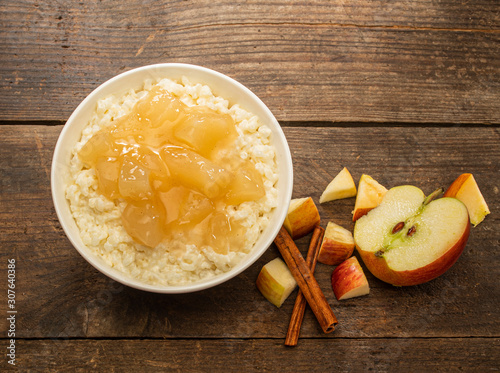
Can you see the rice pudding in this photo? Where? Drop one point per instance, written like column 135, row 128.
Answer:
column 171, row 184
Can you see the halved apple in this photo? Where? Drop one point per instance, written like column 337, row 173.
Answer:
column 302, row 217
column 370, row 193
column 466, row 190
column 342, row 186
column 276, row 282
column 337, row 245
column 349, row 280
column 410, row 239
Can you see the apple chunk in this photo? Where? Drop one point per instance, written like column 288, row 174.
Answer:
column 466, row 190
column 410, row 239
column 370, row 193
column 276, row 282
column 337, row 245
column 302, row 217
column 349, row 280
column 342, row 186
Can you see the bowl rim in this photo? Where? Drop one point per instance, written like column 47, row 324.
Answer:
column 68, row 223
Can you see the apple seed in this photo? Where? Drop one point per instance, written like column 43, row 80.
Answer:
column 411, row 231
column 398, row 227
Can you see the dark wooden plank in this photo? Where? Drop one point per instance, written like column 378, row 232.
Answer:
column 60, row 295
column 341, row 355
column 481, row 15
column 421, row 61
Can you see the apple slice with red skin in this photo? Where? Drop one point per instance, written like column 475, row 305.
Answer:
column 349, row 280
column 466, row 190
column 337, row 245
column 410, row 239
column 370, row 193
column 302, row 217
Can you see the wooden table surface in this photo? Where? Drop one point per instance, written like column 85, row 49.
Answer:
column 407, row 92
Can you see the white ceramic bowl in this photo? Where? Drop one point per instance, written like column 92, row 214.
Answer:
column 221, row 85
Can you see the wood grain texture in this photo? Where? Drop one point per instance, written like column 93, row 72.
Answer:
column 339, row 61
column 342, row 355
column 395, row 89
column 61, row 295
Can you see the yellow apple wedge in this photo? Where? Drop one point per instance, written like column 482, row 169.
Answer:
column 302, row 217
column 276, row 282
column 349, row 280
column 337, row 245
column 370, row 193
column 342, row 186
column 466, row 190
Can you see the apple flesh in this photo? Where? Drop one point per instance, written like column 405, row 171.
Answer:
column 302, row 217
column 466, row 190
column 370, row 193
column 342, row 186
column 337, row 245
column 349, row 280
column 409, row 239
column 276, row 282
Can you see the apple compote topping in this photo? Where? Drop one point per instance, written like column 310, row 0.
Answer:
column 175, row 168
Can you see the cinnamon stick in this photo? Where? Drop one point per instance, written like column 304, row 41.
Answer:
column 306, row 281
column 292, row 336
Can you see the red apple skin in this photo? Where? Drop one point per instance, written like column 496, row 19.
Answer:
column 456, row 185
column 360, row 212
column 347, row 276
column 379, row 268
column 305, row 226
column 333, row 253
column 303, row 219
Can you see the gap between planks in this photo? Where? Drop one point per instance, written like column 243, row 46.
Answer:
column 330, row 25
